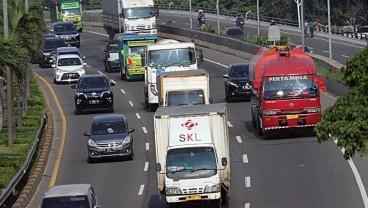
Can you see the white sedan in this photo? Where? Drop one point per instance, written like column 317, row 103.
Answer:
column 68, row 68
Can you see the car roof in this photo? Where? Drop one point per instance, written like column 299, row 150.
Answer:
column 238, row 64
column 68, row 190
column 69, row 48
column 68, row 56
column 109, row 117
column 62, row 23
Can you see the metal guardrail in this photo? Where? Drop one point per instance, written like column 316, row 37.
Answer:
column 18, row 177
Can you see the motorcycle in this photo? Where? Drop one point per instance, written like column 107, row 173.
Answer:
column 201, row 21
column 240, row 23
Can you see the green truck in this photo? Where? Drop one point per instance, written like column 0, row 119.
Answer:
column 67, row 11
column 132, row 48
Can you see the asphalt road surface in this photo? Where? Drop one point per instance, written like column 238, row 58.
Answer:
column 293, row 170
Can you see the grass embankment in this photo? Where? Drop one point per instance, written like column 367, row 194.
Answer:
column 13, row 157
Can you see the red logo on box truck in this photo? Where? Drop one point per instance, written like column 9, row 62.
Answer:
column 189, row 130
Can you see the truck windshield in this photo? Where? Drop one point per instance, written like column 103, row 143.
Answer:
column 66, row 201
column 69, row 12
column 201, row 160
column 289, row 87
column 189, row 97
column 172, row 57
column 139, row 12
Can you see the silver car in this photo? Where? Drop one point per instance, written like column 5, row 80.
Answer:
column 71, row 195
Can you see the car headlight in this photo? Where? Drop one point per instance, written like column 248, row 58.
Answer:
column 313, row 110
column 76, row 35
column 46, row 53
column 80, row 93
column 172, row 191
column 91, row 143
column 81, row 70
column 233, row 84
column 212, row 188
column 106, row 93
column 127, row 139
column 269, row 112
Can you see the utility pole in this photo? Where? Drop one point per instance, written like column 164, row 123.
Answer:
column 302, row 21
column 26, row 6
column 218, row 17
column 329, row 29
column 190, row 14
column 9, row 77
column 298, row 4
column 258, row 33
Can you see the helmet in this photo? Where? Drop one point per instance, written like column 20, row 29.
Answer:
column 200, row 11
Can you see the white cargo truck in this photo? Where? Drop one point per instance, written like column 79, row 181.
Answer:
column 190, row 87
column 192, row 154
column 127, row 16
column 165, row 56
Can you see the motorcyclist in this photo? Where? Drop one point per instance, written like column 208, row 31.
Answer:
column 200, row 15
column 239, row 18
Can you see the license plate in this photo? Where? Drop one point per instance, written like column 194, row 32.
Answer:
column 71, row 75
column 109, row 149
column 193, row 197
column 245, row 87
column 94, row 101
column 291, row 116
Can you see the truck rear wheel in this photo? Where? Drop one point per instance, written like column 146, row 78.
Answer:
column 216, row 203
column 258, row 126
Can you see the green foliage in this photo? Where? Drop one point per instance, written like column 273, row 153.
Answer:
column 346, row 120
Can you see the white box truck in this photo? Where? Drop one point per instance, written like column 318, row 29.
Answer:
column 190, row 87
column 165, row 56
column 127, row 16
column 192, row 154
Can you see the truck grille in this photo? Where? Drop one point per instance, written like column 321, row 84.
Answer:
column 192, row 190
column 143, row 27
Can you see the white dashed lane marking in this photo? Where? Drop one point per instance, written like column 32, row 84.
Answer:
column 141, row 188
column 247, row 205
column 131, row 103
column 147, row 146
column 146, row 166
column 245, row 158
column 122, row 91
column 239, row 139
column 247, row 181
column 229, row 124
column 138, row 116
column 144, row 130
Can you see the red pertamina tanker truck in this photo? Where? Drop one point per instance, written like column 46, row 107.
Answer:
column 287, row 90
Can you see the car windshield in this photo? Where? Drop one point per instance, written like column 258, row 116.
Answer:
column 53, row 44
column 113, row 48
column 69, row 12
column 69, row 62
column 93, row 82
column 139, row 12
column 64, row 27
column 290, row 86
column 66, row 201
column 190, row 97
column 172, row 57
column 108, row 127
column 190, row 159
column 239, row 71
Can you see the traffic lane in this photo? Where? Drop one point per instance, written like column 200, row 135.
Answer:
column 73, row 168
column 341, row 51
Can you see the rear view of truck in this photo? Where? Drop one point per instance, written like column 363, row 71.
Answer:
column 184, row 88
column 192, row 154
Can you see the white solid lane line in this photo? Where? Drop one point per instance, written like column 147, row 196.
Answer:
column 239, row 139
column 229, row 124
column 247, row 181
column 146, row 166
column 358, row 179
column 138, row 116
column 245, row 158
column 214, row 62
column 144, row 130
column 100, row 72
column 131, row 103
column 122, row 91
column 141, row 188
column 147, row 146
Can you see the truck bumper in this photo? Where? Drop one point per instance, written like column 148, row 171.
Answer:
column 193, row 197
column 290, row 121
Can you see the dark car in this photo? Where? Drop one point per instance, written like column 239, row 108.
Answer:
column 50, row 45
column 234, row 32
column 93, row 92
column 109, row 137
column 110, row 56
column 66, row 31
column 237, row 82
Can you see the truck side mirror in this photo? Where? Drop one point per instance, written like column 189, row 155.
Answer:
column 226, row 76
column 86, row 133
column 224, row 161
column 255, row 92
column 200, row 55
column 143, row 58
column 158, row 167
column 323, row 88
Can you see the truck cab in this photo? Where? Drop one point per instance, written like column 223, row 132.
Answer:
column 139, row 16
column 67, row 11
column 165, row 56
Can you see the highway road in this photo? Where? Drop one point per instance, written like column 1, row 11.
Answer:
column 292, row 170
column 342, row 50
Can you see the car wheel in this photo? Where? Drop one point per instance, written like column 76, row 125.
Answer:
column 226, row 96
column 78, row 45
column 111, row 109
column 127, row 77
column 77, row 112
column 230, row 99
column 105, row 66
column 55, row 82
column 91, row 160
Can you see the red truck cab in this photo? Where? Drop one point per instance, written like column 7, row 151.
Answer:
column 287, row 90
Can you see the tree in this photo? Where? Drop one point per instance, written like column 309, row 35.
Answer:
column 347, row 120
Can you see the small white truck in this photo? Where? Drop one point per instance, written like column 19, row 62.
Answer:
column 192, row 154
column 190, row 87
column 165, row 56
column 127, row 16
